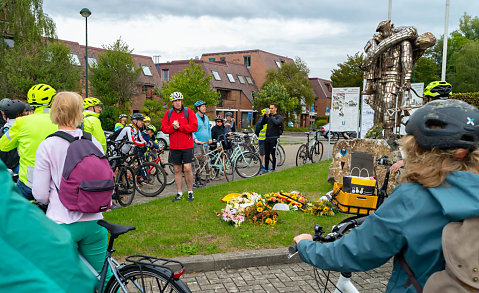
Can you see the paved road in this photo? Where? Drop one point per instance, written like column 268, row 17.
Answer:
column 297, row 277
column 290, row 145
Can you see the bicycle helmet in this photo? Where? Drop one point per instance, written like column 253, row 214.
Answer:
column 137, row 116
column 438, row 90
column 12, row 108
column 147, row 118
column 41, row 95
column 219, row 118
column 151, row 127
column 122, row 116
column 91, row 102
column 176, row 96
column 228, row 114
column 264, row 111
column 445, row 124
column 200, row 103
column 3, row 102
column 28, row 107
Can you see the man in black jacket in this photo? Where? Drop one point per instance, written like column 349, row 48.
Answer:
column 273, row 132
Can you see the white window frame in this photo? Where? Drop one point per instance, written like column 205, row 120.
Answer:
column 163, row 71
column 278, row 63
column 230, row 77
column 216, row 75
column 75, row 59
column 249, row 80
column 241, row 79
column 91, row 61
column 146, row 68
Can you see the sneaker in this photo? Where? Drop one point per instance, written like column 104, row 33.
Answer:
column 177, row 197
column 262, row 169
column 269, row 169
column 191, row 197
column 115, row 206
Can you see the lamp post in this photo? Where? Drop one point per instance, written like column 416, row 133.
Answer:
column 85, row 12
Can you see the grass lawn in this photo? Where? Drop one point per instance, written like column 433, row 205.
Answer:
column 168, row 229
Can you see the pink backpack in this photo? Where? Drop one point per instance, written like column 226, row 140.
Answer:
column 87, row 182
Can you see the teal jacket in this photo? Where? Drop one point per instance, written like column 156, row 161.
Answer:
column 203, row 133
column 411, row 218
column 38, row 255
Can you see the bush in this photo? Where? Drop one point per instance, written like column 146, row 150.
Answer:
column 296, row 129
column 471, row 98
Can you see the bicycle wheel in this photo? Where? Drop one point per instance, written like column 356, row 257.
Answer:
column 227, row 167
column 150, row 179
column 280, row 156
column 316, row 151
column 146, row 279
column 248, row 165
column 302, row 155
column 170, row 173
column 125, row 186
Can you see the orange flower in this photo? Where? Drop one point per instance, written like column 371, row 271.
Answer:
column 269, row 221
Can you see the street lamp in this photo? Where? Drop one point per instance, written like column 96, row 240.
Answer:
column 85, row 12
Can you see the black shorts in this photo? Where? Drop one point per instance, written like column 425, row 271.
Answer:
column 180, row 157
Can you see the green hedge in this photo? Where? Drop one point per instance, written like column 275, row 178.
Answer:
column 297, row 129
column 471, row 98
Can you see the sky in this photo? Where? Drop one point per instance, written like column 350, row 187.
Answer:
column 321, row 32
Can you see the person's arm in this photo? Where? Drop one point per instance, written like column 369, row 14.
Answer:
column 192, row 124
column 369, row 246
column 9, row 140
column 233, row 129
column 166, row 125
column 93, row 125
column 42, row 175
column 257, row 129
column 276, row 119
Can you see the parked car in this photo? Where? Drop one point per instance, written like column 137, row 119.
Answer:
column 324, row 131
column 163, row 140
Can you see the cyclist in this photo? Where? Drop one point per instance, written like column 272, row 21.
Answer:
column 149, row 137
column 91, row 121
column 203, row 135
column 440, row 186
column 123, row 121
column 28, row 110
column 274, row 130
column 229, row 123
column 146, row 122
column 219, row 128
column 180, row 127
column 3, row 119
column 132, row 133
column 28, row 132
column 260, row 132
column 39, row 255
column 90, row 238
column 436, row 90
column 11, row 110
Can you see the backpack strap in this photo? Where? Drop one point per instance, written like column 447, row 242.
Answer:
column 71, row 138
column 411, row 280
column 185, row 112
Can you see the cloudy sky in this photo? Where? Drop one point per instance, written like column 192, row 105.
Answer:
column 321, row 32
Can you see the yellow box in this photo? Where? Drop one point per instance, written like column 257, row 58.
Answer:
column 357, row 204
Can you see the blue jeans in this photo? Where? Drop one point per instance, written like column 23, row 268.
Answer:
column 25, row 191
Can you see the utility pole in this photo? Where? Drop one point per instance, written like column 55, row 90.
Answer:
column 444, row 45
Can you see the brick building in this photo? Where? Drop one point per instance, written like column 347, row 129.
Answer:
column 323, row 90
column 149, row 76
column 232, row 81
column 256, row 61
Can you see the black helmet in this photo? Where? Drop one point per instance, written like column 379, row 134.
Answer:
column 12, row 108
column 228, row 114
column 3, row 102
column 137, row 116
column 445, row 124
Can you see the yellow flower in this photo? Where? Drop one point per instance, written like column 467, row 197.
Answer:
column 260, row 204
column 259, row 210
column 326, row 208
column 269, row 221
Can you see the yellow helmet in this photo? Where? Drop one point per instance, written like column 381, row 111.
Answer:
column 147, row 119
column 264, row 111
column 438, row 90
column 91, row 102
column 41, row 95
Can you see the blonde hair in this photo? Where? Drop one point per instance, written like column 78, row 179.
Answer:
column 430, row 167
column 66, row 109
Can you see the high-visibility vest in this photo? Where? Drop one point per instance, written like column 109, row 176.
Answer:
column 262, row 133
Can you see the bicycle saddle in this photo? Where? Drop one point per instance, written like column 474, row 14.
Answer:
column 115, row 229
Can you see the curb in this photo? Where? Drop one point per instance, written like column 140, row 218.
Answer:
column 236, row 260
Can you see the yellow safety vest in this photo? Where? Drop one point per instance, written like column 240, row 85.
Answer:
column 262, row 133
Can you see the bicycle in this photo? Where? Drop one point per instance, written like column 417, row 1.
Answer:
column 154, row 157
column 246, row 164
column 313, row 153
column 124, row 191
column 139, row 273
column 251, row 144
column 360, row 214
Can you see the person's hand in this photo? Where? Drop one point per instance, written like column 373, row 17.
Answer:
column 302, row 237
column 210, row 141
column 176, row 124
column 396, row 166
column 228, row 124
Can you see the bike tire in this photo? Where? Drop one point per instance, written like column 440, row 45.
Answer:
column 125, row 186
column 154, row 174
column 170, row 173
column 248, row 165
column 302, row 156
column 146, row 279
column 280, row 155
column 225, row 160
column 316, row 151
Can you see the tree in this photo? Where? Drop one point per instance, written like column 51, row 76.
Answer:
column 193, row 83
column 114, row 81
column 155, row 111
column 293, row 77
column 469, row 26
column 425, row 70
column 273, row 92
column 349, row 73
column 465, row 68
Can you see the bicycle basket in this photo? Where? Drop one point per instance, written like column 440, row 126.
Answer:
column 352, row 203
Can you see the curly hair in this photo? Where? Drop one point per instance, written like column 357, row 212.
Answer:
column 430, row 167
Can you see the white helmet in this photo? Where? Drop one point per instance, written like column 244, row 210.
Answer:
column 176, row 96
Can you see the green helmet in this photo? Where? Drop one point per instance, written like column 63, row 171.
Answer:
column 151, row 127
column 438, row 90
column 41, row 95
column 91, row 102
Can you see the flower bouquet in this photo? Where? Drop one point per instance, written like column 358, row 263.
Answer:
column 261, row 213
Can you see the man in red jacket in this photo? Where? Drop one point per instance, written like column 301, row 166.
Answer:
column 180, row 122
